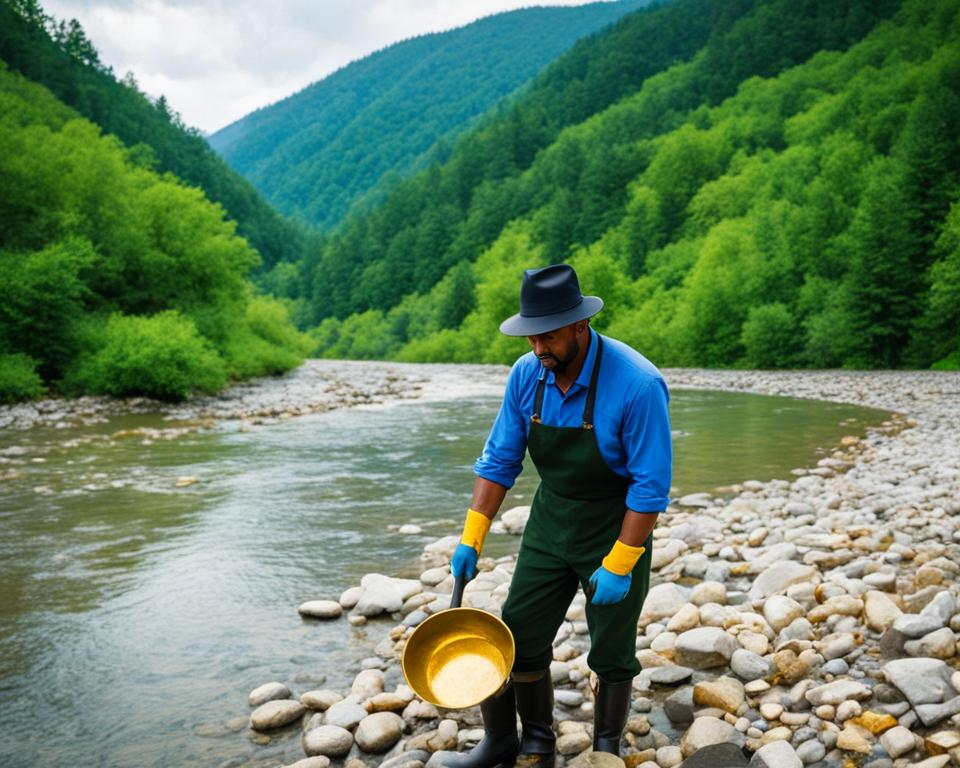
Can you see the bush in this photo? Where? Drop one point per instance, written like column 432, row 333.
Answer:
column 769, row 337
column 161, row 356
column 19, row 379
column 265, row 342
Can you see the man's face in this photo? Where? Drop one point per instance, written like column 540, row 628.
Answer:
column 556, row 349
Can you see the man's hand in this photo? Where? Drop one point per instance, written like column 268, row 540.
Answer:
column 611, row 581
column 609, row 587
column 464, row 562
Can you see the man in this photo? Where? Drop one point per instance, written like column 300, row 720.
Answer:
column 593, row 414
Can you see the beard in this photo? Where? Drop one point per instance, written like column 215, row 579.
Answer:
column 560, row 364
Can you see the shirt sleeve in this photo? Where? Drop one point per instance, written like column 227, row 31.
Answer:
column 502, row 458
column 648, row 444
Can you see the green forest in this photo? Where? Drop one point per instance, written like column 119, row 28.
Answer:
column 345, row 139
column 747, row 184
column 113, row 278
column 61, row 57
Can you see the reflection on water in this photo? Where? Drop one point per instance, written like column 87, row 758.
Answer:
column 136, row 613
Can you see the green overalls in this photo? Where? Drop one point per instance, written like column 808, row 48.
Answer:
column 576, row 516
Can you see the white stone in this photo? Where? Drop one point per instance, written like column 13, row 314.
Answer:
column 779, row 754
column 665, row 551
column 709, row 592
column 321, row 609
column 268, row 692
column 346, row 714
column 515, row 519
column 780, row 575
column 709, row 730
column 922, row 681
column 662, row 602
column 837, row 692
column 379, row 732
column 898, row 741
column 686, row 618
column 327, row 740
column 320, row 700
column 940, row 644
column 350, row 597
column 276, row 714
column 879, row 611
column 382, row 594
column 367, row 684
column 780, row 610
column 705, row 647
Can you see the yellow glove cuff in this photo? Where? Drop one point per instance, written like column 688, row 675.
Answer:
column 475, row 529
column 622, row 558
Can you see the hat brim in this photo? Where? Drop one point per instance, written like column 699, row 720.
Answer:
column 521, row 325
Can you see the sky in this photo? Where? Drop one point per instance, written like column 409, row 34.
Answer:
column 218, row 60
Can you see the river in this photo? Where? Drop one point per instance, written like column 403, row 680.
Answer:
column 151, row 578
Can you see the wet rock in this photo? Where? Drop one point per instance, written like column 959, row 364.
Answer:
column 311, row 762
column 320, row 609
column 382, row 594
column 378, row 732
column 276, row 714
column 345, row 714
column 268, row 692
column 320, row 701
column 515, row 520
column 367, row 684
column 327, row 740
column 717, row 756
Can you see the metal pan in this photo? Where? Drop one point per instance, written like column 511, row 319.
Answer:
column 458, row 657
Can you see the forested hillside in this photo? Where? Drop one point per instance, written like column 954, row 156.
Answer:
column 62, row 58
column 758, row 188
column 114, row 279
column 316, row 153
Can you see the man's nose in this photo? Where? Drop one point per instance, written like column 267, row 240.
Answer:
column 537, row 346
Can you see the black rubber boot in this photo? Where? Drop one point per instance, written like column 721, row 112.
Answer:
column 500, row 744
column 538, row 745
column 610, row 710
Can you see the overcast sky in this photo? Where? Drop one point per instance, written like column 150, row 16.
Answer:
column 217, row 60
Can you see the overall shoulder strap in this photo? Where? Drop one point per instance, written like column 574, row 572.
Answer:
column 592, row 393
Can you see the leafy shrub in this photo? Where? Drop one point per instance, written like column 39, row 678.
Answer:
column 769, row 335
column 19, row 379
column 161, row 356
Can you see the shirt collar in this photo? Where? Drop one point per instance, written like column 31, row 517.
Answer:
column 583, row 380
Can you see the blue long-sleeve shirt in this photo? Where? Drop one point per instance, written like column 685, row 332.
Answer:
column 631, row 421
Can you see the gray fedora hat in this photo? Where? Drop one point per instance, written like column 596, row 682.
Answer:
column 550, row 298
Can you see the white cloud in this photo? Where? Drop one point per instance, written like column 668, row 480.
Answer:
column 216, row 60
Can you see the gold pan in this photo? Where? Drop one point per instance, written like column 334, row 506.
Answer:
column 458, row 657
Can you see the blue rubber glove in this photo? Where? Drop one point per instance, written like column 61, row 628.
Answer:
column 610, row 588
column 464, row 561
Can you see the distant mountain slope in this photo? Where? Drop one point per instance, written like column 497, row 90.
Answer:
column 317, row 152
column 65, row 61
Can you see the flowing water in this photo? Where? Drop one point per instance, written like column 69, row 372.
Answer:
column 137, row 613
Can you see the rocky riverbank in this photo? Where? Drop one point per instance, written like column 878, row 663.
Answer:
column 811, row 620
column 317, row 385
